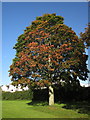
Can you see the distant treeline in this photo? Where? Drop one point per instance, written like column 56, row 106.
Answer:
column 18, row 95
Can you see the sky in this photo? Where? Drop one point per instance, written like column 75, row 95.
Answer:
column 0, row 42
column 16, row 16
column 44, row 0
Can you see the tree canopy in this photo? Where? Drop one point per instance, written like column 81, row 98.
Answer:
column 49, row 52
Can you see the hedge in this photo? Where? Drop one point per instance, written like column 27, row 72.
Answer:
column 18, row 95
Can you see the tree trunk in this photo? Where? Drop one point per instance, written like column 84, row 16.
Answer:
column 51, row 95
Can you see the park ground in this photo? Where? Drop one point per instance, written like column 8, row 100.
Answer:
column 28, row 109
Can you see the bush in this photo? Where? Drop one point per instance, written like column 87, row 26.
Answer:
column 18, row 95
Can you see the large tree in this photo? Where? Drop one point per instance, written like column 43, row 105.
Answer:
column 47, row 53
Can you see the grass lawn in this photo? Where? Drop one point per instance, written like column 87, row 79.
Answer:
column 24, row 109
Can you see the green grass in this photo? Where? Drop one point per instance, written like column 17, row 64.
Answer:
column 24, row 109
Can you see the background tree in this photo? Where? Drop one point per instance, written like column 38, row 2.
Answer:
column 47, row 53
column 86, row 38
column 86, row 35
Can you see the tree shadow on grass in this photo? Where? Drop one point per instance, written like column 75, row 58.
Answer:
column 38, row 103
column 82, row 107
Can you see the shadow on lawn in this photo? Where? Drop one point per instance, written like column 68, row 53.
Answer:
column 81, row 107
column 38, row 103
